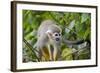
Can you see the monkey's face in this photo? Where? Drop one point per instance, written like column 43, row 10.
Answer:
column 55, row 38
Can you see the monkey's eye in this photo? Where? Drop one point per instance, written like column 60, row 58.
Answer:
column 59, row 34
column 56, row 34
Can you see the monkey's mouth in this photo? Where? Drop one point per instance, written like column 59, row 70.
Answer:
column 57, row 39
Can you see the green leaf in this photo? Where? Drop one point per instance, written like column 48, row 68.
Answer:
column 85, row 54
column 87, row 32
column 67, row 54
column 70, row 27
column 84, row 17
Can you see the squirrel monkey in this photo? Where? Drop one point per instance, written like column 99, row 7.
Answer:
column 49, row 40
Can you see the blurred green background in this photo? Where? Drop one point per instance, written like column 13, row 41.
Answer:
column 74, row 25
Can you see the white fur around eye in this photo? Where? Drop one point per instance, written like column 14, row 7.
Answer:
column 55, row 34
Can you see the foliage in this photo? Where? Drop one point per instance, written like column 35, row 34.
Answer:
column 75, row 26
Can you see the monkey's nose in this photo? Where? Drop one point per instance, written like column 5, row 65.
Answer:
column 57, row 39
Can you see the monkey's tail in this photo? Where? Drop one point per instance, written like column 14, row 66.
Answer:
column 73, row 42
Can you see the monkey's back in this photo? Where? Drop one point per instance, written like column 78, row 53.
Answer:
column 44, row 27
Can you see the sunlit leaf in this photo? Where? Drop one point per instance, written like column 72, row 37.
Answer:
column 70, row 27
column 84, row 17
column 67, row 54
column 87, row 32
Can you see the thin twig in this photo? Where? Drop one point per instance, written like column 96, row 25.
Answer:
column 31, row 48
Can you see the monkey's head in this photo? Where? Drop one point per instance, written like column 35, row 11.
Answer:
column 54, row 35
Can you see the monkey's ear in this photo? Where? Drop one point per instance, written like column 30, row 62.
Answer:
column 49, row 32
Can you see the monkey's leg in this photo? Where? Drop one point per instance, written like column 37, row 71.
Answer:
column 39, row 47
column 59, row 58
column 50, row 53
column 55, row 52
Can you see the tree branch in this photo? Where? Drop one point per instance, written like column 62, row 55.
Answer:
column 31, row 48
